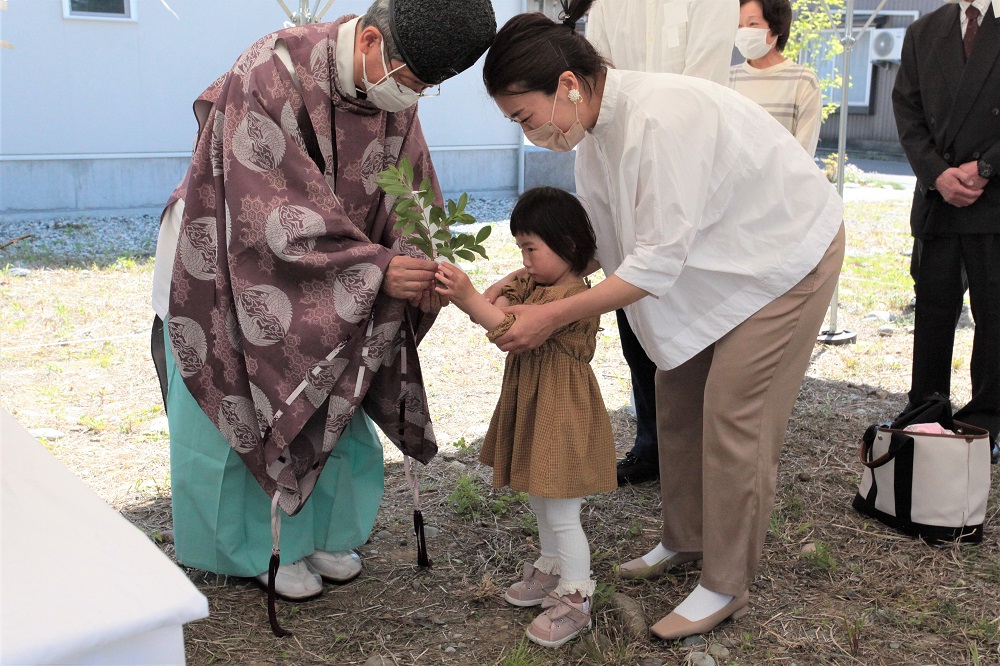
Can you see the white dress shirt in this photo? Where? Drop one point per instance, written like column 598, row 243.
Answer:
column 981, row 5
column 692, row 37
column 702, row 199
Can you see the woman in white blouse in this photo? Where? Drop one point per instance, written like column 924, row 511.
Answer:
column 787, row 90
column 724, row 242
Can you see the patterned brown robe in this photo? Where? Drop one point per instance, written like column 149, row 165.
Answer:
column 275, row 301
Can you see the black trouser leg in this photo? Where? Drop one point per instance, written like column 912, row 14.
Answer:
column 643, row 372
column 981, row 258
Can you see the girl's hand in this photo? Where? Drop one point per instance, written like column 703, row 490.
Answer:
column 454, row 283
column 533, row 326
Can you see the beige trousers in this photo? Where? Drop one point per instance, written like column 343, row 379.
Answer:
column 721, row 420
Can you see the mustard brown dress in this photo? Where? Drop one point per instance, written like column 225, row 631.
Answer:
column 550, row 434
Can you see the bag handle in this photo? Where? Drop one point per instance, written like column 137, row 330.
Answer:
column 897, row 441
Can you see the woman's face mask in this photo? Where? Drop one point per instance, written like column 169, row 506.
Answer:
column 387, row 94
column 752, row 42
column 550, row 136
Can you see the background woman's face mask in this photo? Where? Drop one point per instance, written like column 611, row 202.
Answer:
column 387, row 94
column 550, row 136
column 752, row 42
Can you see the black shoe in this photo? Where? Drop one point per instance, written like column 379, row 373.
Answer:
column 632, row 469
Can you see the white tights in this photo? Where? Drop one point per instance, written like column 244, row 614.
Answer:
column 564, row 546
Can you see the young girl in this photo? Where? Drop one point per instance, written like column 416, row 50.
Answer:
column 550, row 435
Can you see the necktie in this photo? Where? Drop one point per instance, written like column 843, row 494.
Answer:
column 971, row 29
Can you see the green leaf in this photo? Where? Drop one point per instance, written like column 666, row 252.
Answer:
column 406, row 168
column 462, row 201
column 425, row 186
column 465, row 254
column 484, row 233
column 451, row 209
column 442, row 235
column 395, row 189
column 403, row 205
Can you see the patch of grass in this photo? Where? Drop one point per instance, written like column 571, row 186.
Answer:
column 464, row 448
column 94, row 423
column 525, row 654
column 820, row 558
column 469, row 500
column 153, row 486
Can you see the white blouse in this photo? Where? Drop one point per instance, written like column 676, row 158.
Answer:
column 699, row 197
column 692, row 37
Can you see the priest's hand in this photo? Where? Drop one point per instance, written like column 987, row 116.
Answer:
column 430, row 301
column 408, row 278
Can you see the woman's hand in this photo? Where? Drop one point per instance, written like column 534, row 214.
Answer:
column 533, row 326
column 408, row 278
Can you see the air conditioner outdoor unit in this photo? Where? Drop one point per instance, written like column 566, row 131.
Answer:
column 886, row 44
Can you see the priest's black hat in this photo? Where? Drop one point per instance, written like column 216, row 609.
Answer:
column 441, row 38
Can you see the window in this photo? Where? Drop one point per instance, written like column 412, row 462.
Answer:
column 817, row 56
column 100, row 9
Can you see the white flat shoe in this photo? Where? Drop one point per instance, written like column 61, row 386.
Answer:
column 295, row 581
column 338, row 567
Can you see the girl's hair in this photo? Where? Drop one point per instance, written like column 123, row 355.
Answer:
column 531, row 51
column 778, row 14
column 559, row 219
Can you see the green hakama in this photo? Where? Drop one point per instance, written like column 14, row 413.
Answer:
column 222, row 517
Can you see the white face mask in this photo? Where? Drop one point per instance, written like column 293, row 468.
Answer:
column 550, row 136
column 387, row 94
column 752, row 42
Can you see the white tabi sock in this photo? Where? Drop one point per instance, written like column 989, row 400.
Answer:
column 701, row 603
column 657, row 555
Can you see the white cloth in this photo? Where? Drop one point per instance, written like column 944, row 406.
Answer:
column 699, row 197
column 81, row 585
column 692, row 37
column 789, row 92
column 170, row 221
column 981, row 5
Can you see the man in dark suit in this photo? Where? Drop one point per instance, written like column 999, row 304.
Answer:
column 947, row 106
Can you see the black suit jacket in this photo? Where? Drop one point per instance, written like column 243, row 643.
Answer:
column 948, row 113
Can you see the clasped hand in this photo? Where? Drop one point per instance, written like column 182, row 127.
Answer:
column 960, row 186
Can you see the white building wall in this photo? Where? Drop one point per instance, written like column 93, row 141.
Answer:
column 96, row 114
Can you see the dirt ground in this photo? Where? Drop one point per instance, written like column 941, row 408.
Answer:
column 834, row 587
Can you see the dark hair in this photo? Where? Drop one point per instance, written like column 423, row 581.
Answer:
column 778, row 14
column 531, row 51
column 559, row 219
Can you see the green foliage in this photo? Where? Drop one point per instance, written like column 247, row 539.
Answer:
column 810, row 21
column 469, row 500
column 464, row 448
column 523, row 655
column 820, row 559
column 427, row 224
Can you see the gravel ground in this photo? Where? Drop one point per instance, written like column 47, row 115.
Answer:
column 85, row 239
